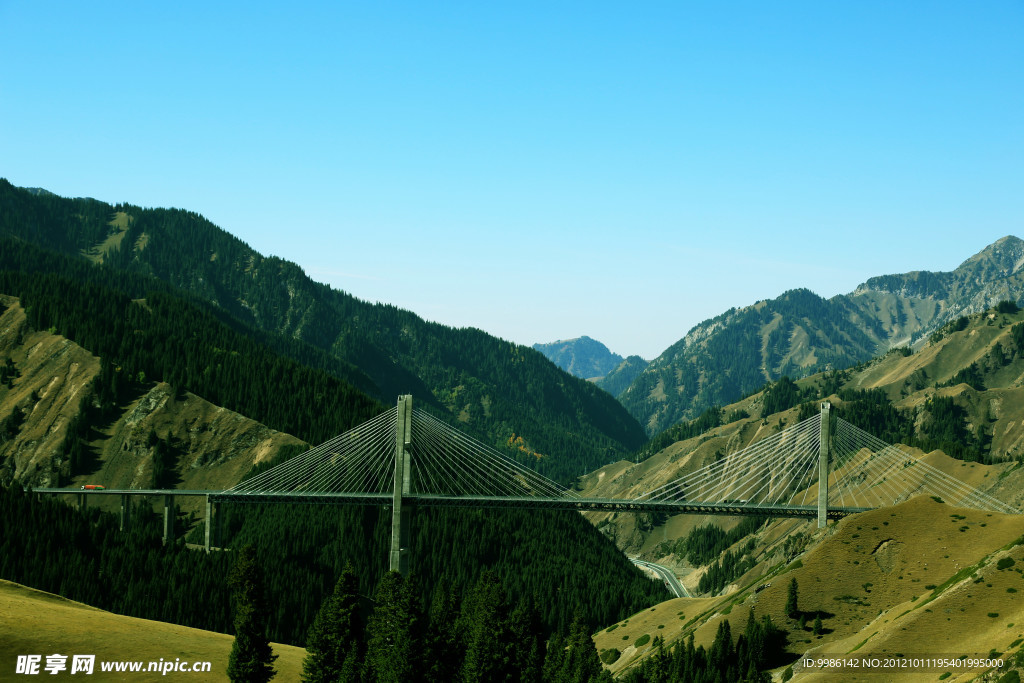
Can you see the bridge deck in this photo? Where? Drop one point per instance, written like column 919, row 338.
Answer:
column 524, row 502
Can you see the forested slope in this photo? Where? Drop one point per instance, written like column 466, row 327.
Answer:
column 738, row 351
column 169, row 338
column 144, row 330
column 556, row 557
column 496, row 388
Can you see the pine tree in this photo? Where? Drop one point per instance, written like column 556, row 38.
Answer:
column 334, row 638
column 818, row 628
column 554, row 658
column 581, row 663
column 527, row 640
column 394, row 633
column 251, row 657
column 484, row 620
column 792, row 607
column 444, row 647
column 722, row 652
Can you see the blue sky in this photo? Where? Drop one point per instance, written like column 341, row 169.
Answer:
column 540, row 170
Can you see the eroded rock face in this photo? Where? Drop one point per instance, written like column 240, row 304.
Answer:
column 211, row 447
column 887, row 554
column 42, row 398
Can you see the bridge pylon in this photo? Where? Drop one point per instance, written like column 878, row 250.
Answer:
column 824, row 453
column 401, row 511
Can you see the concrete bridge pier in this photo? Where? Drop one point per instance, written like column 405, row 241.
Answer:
column 401, row 511
column 824, row 452
column 212, row 518
column 126, row 511
column 82, row 501
column 168, row 519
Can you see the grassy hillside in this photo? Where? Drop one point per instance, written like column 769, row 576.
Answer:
column 890, row 579
column 47, row 623
column 920, row 577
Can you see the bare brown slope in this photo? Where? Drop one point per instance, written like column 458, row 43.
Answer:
column 642, row 533
column 52, row 372
column 920, row 577
column 909, row 380
column 35, row 622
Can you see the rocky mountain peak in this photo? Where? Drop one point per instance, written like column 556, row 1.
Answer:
column 1002, row 258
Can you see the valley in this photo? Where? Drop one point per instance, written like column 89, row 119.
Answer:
column 147, row 348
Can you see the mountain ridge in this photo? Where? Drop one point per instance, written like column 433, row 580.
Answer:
column 496, row 389
column 582, row 357
column 956, row 404
column 799, row 333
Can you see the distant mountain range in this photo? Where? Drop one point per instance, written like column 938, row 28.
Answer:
column 498, row 390
column 583, row 357
column 800, row 333
column 590, row 359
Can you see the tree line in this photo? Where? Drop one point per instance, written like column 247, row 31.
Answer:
column 759, row 647
column 160, row 336
column 571, row 569
column 559, row 557
column 481, row 637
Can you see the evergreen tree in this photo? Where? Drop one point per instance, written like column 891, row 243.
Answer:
column 581, row 663
column 394, row 646
column 554, row 658
column 251, row 657
column 332, row 646
column 792, row 607
column 485, row 622
column 818, row 629
column 722, row 652
column 444, row 647
column 527, row 639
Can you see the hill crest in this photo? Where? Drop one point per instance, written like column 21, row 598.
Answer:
column 582, row 357
column 800, row 333
column 48, row 623
column 494, row 389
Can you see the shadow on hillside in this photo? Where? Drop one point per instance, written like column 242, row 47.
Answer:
column 92, row 428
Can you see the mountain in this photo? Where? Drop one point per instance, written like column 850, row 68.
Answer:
column 583, row 357
column 211, row 448
column 800, row 333
column 619, row 379
column 913, row 305
column 959, row 399
column 496, row 390
column 957, row 404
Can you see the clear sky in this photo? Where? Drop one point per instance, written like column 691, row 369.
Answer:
column 540, row 170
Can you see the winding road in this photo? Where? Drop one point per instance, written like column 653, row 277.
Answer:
column 666, row 575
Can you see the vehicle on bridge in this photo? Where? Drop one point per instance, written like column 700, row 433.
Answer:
column 93, row 487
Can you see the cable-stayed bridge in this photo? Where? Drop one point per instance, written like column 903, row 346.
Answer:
column 821, row 468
